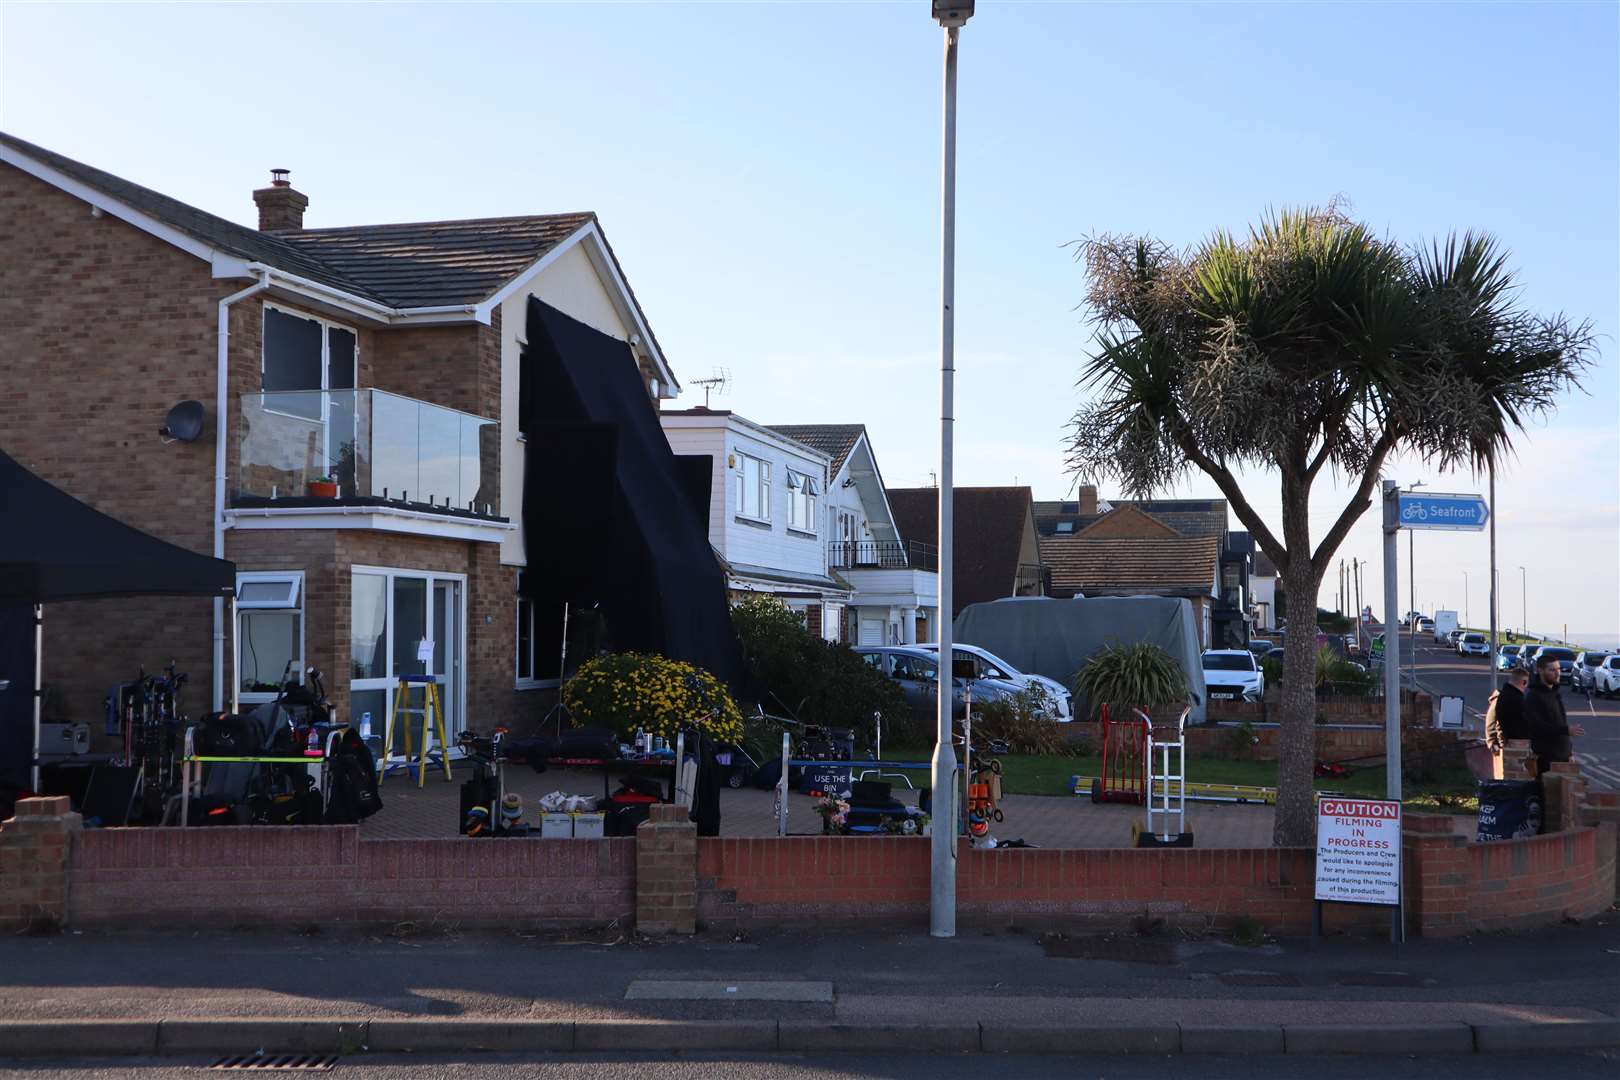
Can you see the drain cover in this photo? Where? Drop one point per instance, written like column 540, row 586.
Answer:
column 278, row 1062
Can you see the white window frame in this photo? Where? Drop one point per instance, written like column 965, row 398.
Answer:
column 391, row 681
column 519, row 682
column 293, row 601
column 762, row 487
column 803, row 492
column 327, row 326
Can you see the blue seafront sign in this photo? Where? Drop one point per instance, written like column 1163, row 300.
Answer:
column 1433, row 510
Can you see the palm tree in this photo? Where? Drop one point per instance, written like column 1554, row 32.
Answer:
column 1309, row 344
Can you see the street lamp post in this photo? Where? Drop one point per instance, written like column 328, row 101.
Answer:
column 952, row 15
column 1524, row 601
column 1465, row 599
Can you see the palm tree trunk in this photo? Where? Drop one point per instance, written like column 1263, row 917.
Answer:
column 1296, row 752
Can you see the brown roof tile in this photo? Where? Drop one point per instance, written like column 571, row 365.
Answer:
column 1131, row 565
column 990, row 525
column 834, row 440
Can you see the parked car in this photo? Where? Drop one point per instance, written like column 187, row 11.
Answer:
column 1276, row 654
column 917, row 671
column 1527, row 656
column 1059, row 702
column 1607, row 676
column 1233, row 674
column 1455, row 636
column 1507, row 657
column 1473, row 643
column 1584, row 677
column 1261, row 646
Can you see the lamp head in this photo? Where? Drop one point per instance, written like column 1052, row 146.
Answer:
column 953, row 13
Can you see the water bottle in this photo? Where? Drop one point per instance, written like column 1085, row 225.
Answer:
column 365, row 725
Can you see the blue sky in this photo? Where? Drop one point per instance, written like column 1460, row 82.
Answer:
column 768, row 174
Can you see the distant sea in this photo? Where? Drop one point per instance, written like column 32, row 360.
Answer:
column 1609, row 640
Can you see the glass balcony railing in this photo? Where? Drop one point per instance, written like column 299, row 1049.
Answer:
column 366, row 446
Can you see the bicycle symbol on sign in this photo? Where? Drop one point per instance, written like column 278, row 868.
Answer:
column 1414, row 512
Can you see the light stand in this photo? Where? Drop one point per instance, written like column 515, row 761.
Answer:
column 560, row 709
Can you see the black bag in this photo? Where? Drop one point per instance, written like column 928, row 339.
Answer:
column 595, row 744
column 479, row 791
column 352, row 776
column 226, row 735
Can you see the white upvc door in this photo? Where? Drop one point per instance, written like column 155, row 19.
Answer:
column 398, row 618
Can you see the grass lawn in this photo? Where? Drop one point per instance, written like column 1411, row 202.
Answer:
column 1450, row 790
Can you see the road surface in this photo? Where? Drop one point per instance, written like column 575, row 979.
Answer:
column 1441, row 671
column 710, row 1066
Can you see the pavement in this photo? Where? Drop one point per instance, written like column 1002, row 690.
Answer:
column 1442, row 672
column 798, row 991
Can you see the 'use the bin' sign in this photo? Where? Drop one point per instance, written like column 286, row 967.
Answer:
column 1358, row 851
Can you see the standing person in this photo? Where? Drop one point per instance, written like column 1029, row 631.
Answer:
column 1504, row 716
column 1549, row 725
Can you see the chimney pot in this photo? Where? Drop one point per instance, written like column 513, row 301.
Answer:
column 281, row 206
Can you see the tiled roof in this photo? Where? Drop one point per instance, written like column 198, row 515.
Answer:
column 834, row 440
column 1131, row 565
column 990, row 525
column 1189, row 517
column 228, row 236
column 1263, row 566
column 433, row 263
column 426, row 264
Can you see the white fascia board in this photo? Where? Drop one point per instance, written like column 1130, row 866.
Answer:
column 374, row 518
column 743, row 583
column 877, row 475
column 120, row 210
column 595, row 246
column 744, row 426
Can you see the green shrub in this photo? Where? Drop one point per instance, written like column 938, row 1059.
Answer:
column 626, row 691
column 1125, row 676
column 1017, row 720
column 815, row 681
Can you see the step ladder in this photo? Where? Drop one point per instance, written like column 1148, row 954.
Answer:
column 432, row 713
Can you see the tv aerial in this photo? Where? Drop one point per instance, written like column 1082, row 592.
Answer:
column 716, row 384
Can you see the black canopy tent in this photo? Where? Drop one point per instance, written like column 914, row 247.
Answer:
column 612, row 518
column 54, row 548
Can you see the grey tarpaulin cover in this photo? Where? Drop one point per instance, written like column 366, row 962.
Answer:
column 1044, row 636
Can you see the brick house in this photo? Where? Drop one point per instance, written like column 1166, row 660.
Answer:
column 381, row 359
column 997, row 551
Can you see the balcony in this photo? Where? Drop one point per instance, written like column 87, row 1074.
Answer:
column 381, row 450
column 882, row 555
column 1034, row 579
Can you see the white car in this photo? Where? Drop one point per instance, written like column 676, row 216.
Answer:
column 1473, row 644
column 1586, row 669
column 1233, row 675
column 1060, row 703
column 1606, row 677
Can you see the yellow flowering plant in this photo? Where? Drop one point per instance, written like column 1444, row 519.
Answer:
column 626, row 691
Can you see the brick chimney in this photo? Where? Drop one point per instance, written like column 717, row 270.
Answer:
column 1088, row 500
column 281, row 209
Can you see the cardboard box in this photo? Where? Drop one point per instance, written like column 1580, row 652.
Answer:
column 557, row 825
column 588, row 826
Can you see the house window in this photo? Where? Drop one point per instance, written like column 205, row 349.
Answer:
column 302, row 356
column 269, row 632
column 1065, row 527
column 753, row 488
column 525, row 641
column 803, row 491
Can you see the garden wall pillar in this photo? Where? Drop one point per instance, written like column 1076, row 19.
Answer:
column 34, row 848
column 666, row 872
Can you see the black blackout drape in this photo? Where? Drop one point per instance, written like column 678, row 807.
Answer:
column 608, row 509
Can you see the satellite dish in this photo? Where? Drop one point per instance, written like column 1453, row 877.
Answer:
column 184, row 422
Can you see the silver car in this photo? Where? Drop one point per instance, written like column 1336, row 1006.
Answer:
column 1584, row 677
column 917, row 672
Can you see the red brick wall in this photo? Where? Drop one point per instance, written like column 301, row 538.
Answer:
column 298, row 876
column 1455, row 887
column 857, row 878
column 105, row 328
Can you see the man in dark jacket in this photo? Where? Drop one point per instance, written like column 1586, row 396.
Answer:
column 1550, row 728
column 1504, row 717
